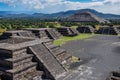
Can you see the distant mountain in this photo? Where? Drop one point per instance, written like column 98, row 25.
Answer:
column 99, row 14
column 59, row 15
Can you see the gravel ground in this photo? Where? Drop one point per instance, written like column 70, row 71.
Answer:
column 100, row 55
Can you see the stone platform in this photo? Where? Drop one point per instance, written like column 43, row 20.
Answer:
column 67, row 31
column 108, row 31
column 85, row 29
column 24, row 56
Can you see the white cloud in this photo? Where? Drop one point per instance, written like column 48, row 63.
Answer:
column 112, row 1
column 62, row 5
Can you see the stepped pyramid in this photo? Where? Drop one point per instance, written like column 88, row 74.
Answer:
column 20, row 33
column 85, row 29
column 67, row 31
column 27, row 58
column 50, row 33
column 108, row 30
column 85, row 17
column 15, row 62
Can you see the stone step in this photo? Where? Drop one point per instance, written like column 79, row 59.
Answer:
column 64, row 57
column 9, row 54
column 41, row 35
column 85, row 29
column 12, row 63
column 49, row 42
column 48, row 60
column 26, row 34
column 51, row 34
column 52, row 46
column 60, row 51
column 26, row 73
column 74, row 31
column 57, row 51
column 17, row 70
column 67, row 31
column 21, row 68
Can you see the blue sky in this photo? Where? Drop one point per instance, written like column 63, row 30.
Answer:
column 52, row 6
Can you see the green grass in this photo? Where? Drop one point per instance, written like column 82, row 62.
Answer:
column 65, row 39
column 118, row 34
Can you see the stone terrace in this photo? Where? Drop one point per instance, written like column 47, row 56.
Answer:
column 67, row 31
column 26, row 57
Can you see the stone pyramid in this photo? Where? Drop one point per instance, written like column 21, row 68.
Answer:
column 67, row 31
column 86, row 17
column 26, row 58
column 85, row 29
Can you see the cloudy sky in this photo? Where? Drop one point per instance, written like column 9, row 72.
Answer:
column 52, row 6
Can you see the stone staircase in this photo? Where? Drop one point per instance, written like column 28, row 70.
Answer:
column 85, row 29
column 74, row 31
column 108, row 30
column 66, row 31
column 61, row 55
column 39, row 33
column 19, row 33
column 46, row 33
column 53, row 34
column 26, row 34
column 52, row 66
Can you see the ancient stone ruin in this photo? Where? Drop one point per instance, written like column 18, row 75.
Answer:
column 44, row 33
column 85, row 29
column 108, row 30
column 20, row 33
column 67, row 31
column 86, row 16
column 50, row 33
column 30, row 58
column 15, row 62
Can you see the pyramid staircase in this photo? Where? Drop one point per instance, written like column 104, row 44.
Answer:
column 74, row 31
column 26, row 34
column 66, row 31
column 19, row 33
column 61, row 55
column 52, row 66
column 39, row 32
column 85, row 29
column 53, row 34
column 45, row 33
column 108, row 30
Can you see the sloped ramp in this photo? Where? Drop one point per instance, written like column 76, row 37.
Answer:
column 61, row 55
column 53, row 34
column 74, row 31
column 48, row 60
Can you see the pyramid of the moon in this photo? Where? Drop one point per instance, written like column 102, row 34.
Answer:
column 86, row 17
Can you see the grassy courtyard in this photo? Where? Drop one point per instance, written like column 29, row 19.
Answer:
column 65, row 39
